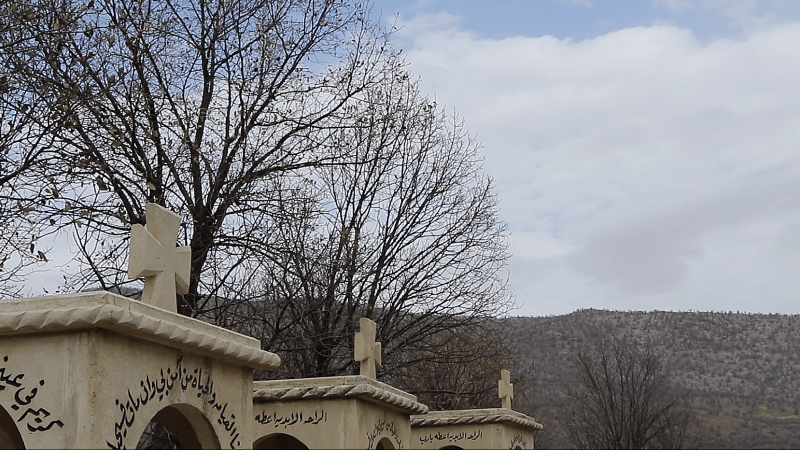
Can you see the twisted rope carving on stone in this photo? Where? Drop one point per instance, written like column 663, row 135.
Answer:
column 122, row 320
column 464, row 419
column 341, row 391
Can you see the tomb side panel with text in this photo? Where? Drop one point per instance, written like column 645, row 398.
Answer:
column 96, row 388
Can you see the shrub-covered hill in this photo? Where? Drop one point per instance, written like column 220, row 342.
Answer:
column 744, row 369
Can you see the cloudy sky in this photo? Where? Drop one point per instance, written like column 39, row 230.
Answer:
column 647, row 152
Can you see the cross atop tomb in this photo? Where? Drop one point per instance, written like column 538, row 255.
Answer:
column 505, row 388
column 367, row 351
column 154, row 256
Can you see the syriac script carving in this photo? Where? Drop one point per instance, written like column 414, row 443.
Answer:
column 378, row 429
column 34, row 419
column 518, row 441
column 161, row 386
column 430, row 438
column 292, row 419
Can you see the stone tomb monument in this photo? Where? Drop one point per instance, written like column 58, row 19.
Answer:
column 336, row 412
column 92, row 370
column 333, row 412
column 360, row 412
column 476, row 428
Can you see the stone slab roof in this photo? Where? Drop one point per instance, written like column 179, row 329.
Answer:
column 474, row 416
column 337, row 387
column 126, row 316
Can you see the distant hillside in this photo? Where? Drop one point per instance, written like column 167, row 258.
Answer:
column 743, row 368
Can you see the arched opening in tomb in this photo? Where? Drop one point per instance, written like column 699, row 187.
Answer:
column 179, row 426
column 384, row 443
column 9, row 433
column 452, row 447
column 279, row 440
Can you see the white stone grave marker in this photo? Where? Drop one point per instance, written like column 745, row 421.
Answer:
column 367, row 351
column 505, row 388
column 153, row 255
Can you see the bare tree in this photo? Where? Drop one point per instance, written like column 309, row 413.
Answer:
column 319, row 184
column 200, row 106
column 23, row 145
column 408, row 236
column 460, row 369
column 623, row 399
column 18, row 250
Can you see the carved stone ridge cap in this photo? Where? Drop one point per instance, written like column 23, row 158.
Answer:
column 475, row 416
column 128, row 317
column 337, row 387
column 331, row 381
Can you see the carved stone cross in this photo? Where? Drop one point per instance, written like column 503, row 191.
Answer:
column 154, row 256
column 505, row 388
column 367, row 351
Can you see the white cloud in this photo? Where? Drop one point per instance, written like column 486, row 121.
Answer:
column 428, row 23
column 624, row 162
column 675, row 5
column 653, row 254
column 538, row 245
column 749, row 15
